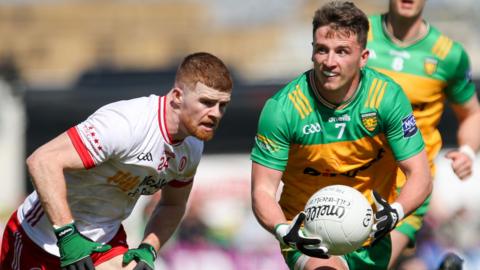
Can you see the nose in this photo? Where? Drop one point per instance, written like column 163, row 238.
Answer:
column 329, row 59
column 216, row 111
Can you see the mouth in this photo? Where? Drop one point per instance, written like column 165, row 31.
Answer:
column 407, row 3
column 329, row 74
column 208, row 126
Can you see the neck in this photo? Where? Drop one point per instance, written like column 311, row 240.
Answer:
column 404, row 31
column 339, row 97
column 172, row 118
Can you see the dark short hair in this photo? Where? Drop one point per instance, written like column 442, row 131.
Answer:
column 343, row 16
column 204, row 68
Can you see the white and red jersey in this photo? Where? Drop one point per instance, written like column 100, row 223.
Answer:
column 127, row 152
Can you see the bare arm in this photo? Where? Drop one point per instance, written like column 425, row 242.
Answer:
column 265, row 183
column 46, row 166
column 419, row 183
column 166, row 216
column 468, row 135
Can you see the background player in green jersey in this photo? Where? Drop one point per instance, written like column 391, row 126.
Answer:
column 338, row 123
column 430, row 67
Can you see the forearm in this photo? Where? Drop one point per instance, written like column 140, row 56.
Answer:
column 267, row 210
column 49, row 183
column 418, row 185
column 162, row 224
column 469, row 131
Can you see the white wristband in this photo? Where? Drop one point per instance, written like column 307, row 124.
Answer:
column 397, row 206
column 467, row 150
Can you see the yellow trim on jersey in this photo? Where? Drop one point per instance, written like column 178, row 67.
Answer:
column 267, row 142
column 442, row 47
column 300, row 102
column 375, row 93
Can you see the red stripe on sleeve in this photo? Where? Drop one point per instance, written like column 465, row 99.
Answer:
column 81, row 149
column 179, row 184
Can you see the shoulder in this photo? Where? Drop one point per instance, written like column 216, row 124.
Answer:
column 293, row 100
column 380, row 90
column 443, row 47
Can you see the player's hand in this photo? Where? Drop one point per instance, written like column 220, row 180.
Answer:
column 144, row 255
column 386, row 217
column 75, row 249
column 293, row 236
column 462, row 161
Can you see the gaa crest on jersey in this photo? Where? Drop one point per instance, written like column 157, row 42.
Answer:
column 430, row 65
column 409, row 126
column 369, row 120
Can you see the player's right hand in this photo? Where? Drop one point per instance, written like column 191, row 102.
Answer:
column 293, row 236
column 75, row 249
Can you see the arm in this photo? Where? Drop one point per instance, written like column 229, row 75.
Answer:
column 162, row 224
column 166, row 215
column 46, row 166
column 265, row 183
column 468, row 137
column 416, row 189
column 419, row 183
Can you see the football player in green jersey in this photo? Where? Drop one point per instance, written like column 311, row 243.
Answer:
column 430, row 67
column 338, row 123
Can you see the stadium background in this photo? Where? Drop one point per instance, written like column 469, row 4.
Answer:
column 60, row 60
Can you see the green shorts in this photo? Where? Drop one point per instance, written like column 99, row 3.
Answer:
column 369, row 257
column 412, row 223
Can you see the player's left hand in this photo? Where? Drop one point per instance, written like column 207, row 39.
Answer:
column 144, row 255
column 386, row 217
column 293, row 235
column 462, row 162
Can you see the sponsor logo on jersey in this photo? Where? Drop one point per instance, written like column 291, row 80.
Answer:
column 342, row 118
column 352, row 173
column 145, row 157
column 468, row 75
column 401, row 54
column 409, row 126
column 148, row 186
column 311, row 128
column 124, row 180
column 369, row 120
column 430, row 65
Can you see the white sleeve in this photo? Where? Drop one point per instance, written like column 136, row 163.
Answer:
column 106, row 134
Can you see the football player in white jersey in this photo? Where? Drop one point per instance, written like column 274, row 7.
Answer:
column 88, row 179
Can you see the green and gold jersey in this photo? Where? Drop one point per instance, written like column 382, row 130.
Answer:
column 431, row 70
column 316, row 145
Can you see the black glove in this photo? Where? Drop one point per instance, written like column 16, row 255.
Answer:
column 293, row 236
column 386, row 217
column 75, row 249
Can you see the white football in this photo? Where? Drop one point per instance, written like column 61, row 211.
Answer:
column 341, row 216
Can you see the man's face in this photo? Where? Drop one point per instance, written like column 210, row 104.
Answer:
column 337, row 58
column 407, row 8
column 201, row 111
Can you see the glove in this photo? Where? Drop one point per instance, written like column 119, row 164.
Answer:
column 75, row 249
column 293, row 236
column 386, row 217
column 145, row 255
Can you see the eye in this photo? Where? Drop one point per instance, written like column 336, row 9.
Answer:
column 208, row 102
column 321, row 50
column 342, row 51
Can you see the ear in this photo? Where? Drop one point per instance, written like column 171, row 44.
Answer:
column 364, row 58
column 177, row 95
